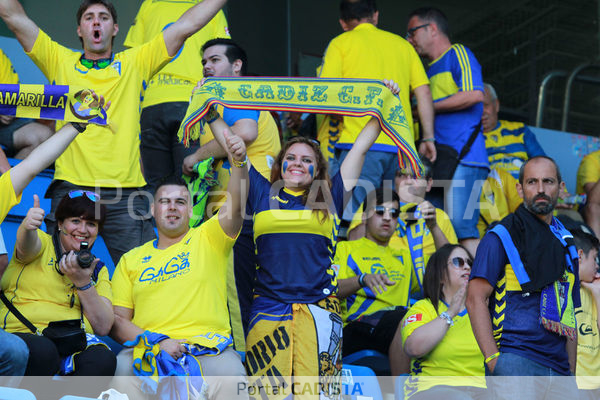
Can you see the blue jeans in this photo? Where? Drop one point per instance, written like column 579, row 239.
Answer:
column 13, row 358
column 379, row 169
column 516, row 377
column 462, row 200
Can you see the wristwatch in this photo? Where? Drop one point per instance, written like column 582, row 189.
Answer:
column 447, row 317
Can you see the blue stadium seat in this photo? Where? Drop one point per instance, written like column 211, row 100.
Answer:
column 399, row 386
column 9, row 232
column 15, row 394
column 372, row 359
column 360, row 381
column 69, row 397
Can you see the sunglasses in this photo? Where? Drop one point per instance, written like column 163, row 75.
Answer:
column 98, row 64
column 381, row 210
column 460, row 262
column 90, row 195
column 411, row 31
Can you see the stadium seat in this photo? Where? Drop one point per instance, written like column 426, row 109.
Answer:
column 399, row 386
column 360, row 382
column 372, row 359
column 69, row 397
column 15, row 394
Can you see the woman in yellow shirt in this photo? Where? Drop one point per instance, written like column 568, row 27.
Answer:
column 437, row 334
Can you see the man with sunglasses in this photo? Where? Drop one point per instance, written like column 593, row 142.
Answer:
column 106, row 159
column 375, row 282
column 422, row 227
column 457, row 87
column 367, row 52
column 525, row 266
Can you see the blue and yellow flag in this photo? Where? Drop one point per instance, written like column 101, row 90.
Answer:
column 60, row 102
column 352, row 97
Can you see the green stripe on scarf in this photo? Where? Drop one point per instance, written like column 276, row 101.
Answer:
column 199, row 185
column 352, row 97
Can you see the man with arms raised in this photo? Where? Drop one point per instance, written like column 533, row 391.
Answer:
column 106, row 160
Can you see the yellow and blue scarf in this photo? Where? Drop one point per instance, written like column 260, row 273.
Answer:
column 352, row 97
column 59, row 102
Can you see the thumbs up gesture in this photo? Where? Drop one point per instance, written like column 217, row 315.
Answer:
column 35, row 216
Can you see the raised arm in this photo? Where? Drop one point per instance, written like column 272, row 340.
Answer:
column 45, row 154
column 246, row 128
column 13, row 14
column 28, row 244
column 231, row 212
column 353, row 163
column 189, row 23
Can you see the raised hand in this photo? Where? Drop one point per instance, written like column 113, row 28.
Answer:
column 35, row 216
column 236, row 147
column 393, row 86
column 457, row 303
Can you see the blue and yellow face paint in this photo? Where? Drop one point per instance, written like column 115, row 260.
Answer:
column 311, row 171
column 284, row 167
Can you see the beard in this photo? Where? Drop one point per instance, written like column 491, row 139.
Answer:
column 542, row 208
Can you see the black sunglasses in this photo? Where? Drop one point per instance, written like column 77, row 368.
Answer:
column 380, row 210
column 411, row 31
column 460, row 262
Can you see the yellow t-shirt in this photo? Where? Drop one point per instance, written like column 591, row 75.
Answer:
column 499, row 197
column 367, row 52
column 8, row 75
column 175, row 81
column 261, row 153
column 180, row 291
column 355, row 257
column 40, row 293
column 588, row 343
column 100, row 156
column 8, row 198
column 589, row 171
column 456, row 355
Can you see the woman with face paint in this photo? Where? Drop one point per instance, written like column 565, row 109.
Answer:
column 295, row 314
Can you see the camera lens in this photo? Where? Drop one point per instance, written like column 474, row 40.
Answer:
column 85, row 258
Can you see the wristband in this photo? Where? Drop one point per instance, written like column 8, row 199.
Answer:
column 447, row 317
column 490, row 358
column 361, row 279
column 240, row 164
column 428, row 140
column 79, row 126
column 86, row 287
column 211, row 116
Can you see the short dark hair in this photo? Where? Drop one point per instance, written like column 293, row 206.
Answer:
column 168, row 180
column 432, row 14
column 233, row 52
column 80, row 207
column 381, row 195
column 85, row 4
column 522, row 169
column 357, row 9
column 436, row 271
column 427, row 168
column 585, row 241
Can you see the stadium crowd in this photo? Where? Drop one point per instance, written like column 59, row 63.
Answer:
column 305, row 250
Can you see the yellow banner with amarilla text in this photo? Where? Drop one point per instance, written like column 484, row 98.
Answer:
column 60, row 102
column 352, row 97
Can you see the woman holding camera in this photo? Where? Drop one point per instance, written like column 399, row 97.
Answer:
column 59, row 290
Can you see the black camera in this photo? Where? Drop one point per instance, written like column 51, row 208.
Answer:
column 85, row 258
